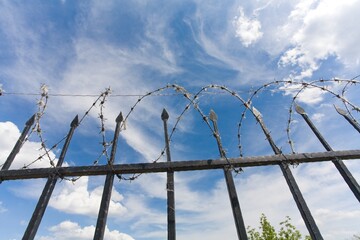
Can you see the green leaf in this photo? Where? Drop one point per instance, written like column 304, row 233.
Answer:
column 267, row 231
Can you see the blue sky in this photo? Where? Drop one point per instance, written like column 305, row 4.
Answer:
column 136, row 47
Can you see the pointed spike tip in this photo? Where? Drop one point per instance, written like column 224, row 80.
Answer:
column 31, row 120
column 212, row 115
column 164, row 115
column 75, row 121
column 340, row 110
column 119, row 118
column 299, row 109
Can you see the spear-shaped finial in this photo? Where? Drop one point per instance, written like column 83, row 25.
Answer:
column 235, row 205
column 169, row 182
column 19, row 143
column 109, row 181
column 299, row 110
column 75, row 121
column 212, row 115
column 164, row 115
column 119, row 118
column 305, row 212
column 340, row 111
column 351, row 120
column 343, row 170
column 118, row 121
column 31, row 120
column 39, row 211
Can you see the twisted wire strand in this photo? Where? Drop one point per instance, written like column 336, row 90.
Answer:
column 193, row 102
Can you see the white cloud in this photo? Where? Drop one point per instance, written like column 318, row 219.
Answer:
column 264, row 191
column 309, row 95
column 156, row 27
column 317, row 117
column 325, row 28
column 2, row 208
column 332, row 203
column 68, row 230
column 9, row 134
column 77, row 199
column 96, row 65
column 30, row 63
column 146, row 219
column 198, row 210
column 101, row 65
column 248, row 30
column 337, row 215
column 29, row 189
column 297, row 57
column 302, row 8
column 147, row 146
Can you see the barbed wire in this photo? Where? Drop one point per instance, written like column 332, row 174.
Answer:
column 36, row 128
column 180, row 91
column 302, row 87
column 193, row 101
column 351, row 82
column 114, row 95
column 42, row 105
column 314, row 85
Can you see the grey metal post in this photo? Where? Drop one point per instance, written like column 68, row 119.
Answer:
column 343, row 113
column 169, row 184
column 339, row 164
column 290, row 180
column 106, row 196
column 18, row 144
column 39, row 211
column 235, row 205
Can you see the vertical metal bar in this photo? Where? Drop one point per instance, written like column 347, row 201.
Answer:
column 235, row 205
column 339, row 164
column 349, row 119
column 169, row 184
column 39, row 211
column 18, row 144
column 290, row 180
column 106, row 196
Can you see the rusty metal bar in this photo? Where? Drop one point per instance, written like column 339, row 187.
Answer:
column 40, row 208
column 290, row 180
column 19, row 143
column 343, row 113
column 109, row 181
column 235, row 205
column 178, row 166
column 169, row 184
column 344, row 171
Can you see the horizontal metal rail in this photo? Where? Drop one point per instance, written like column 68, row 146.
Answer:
column 178, row 165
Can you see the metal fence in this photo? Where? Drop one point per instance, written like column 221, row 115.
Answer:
column 111, row 170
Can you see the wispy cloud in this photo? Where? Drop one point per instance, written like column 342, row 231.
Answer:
column 135, row 50
column 2, row 208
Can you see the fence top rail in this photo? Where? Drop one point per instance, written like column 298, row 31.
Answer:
column 178, row 165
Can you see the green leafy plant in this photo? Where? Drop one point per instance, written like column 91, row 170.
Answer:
column 267, row 231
